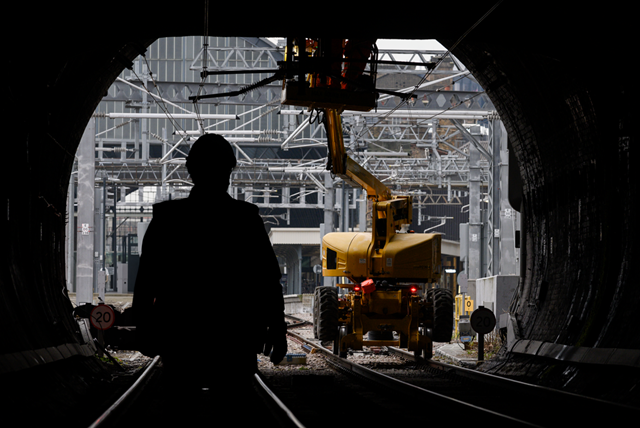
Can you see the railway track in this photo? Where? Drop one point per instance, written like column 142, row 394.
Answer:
column 405, row 391
column 457, row 393
column 152, row 401
column 358, row 394
column 539, row 405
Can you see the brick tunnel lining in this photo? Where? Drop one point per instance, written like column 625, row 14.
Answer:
column 573, row 152
column 572, row 142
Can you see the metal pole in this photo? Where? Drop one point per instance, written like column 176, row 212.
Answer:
column 475, row 222
column 362, row 200
column 508, row 216
column 328, row 216
column 344, row 213
column 103, row 215
column 496, row 136
column 164, row 165
column 86, row 222
column 114, row 240
column 71, row 233
column 145, row 122
column 100, row 286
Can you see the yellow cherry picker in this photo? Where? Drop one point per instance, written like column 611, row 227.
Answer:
column 389, row 295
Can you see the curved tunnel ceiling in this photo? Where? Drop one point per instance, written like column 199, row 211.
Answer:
column 553, row 75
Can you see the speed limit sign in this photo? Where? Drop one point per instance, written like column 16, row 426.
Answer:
column 482, row 320
column 102, row 317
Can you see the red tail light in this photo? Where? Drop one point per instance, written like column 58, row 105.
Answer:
column 368, row 286
column 413, row 289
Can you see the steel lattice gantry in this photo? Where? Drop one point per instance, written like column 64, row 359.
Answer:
column 423, row 146
column 442, row 158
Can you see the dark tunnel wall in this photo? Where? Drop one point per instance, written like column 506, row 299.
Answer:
column 571, row 133
column 553, row 75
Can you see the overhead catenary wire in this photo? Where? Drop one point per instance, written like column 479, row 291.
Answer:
column 442, row 58
column 205, row 59
column 162, row 104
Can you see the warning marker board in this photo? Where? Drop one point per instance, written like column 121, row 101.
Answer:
column 102, row 317
column 482, row 320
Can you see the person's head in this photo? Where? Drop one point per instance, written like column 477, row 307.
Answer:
column 210, row 161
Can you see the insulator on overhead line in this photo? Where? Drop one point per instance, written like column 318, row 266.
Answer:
column 157, row 137
column 114, row 149
column 266, row 139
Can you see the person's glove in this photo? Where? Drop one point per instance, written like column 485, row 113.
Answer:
column 275, row 345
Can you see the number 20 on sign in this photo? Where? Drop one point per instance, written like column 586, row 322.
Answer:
column 102, row 317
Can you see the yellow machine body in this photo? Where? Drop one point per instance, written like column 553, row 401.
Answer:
column 406, row 257
column 383, row 311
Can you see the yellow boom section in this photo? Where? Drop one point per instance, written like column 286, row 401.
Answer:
column 345, row 167
column 328, row 72
column 383, row 253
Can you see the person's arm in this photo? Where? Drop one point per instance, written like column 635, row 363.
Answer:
column 272, row 301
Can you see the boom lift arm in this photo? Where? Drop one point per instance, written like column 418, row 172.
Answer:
column 389, row 212
column 386, row 265
column 333, row 89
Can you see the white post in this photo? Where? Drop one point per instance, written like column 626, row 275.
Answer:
column 86, row 224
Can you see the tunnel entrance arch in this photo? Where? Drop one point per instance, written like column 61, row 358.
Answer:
column 571, row 135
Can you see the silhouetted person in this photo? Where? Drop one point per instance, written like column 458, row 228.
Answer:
column 207, row 296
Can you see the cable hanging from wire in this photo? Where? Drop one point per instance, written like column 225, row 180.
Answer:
column 205, row 57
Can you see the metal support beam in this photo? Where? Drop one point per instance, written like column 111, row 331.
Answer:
column 86, row 222
column 328, row 225
column 509, row 218
column 475, row 221
column 70, row 235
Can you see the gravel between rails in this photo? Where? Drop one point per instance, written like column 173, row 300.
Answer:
column 314, row 362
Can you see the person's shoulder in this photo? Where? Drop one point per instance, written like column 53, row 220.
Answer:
column 245, row 206
column 165, row 207
column 244, row 211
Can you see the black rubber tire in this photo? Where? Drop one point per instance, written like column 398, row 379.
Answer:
column 442, row 300
column 327, row 318
column 337, row 349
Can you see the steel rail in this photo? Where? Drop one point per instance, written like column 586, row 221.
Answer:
column 285, row 417
column 597, row 407
column 118, row 406
column 281, row 412
column 404, row 387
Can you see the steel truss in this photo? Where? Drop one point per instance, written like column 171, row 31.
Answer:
column 437, row 146
column 413, row 146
